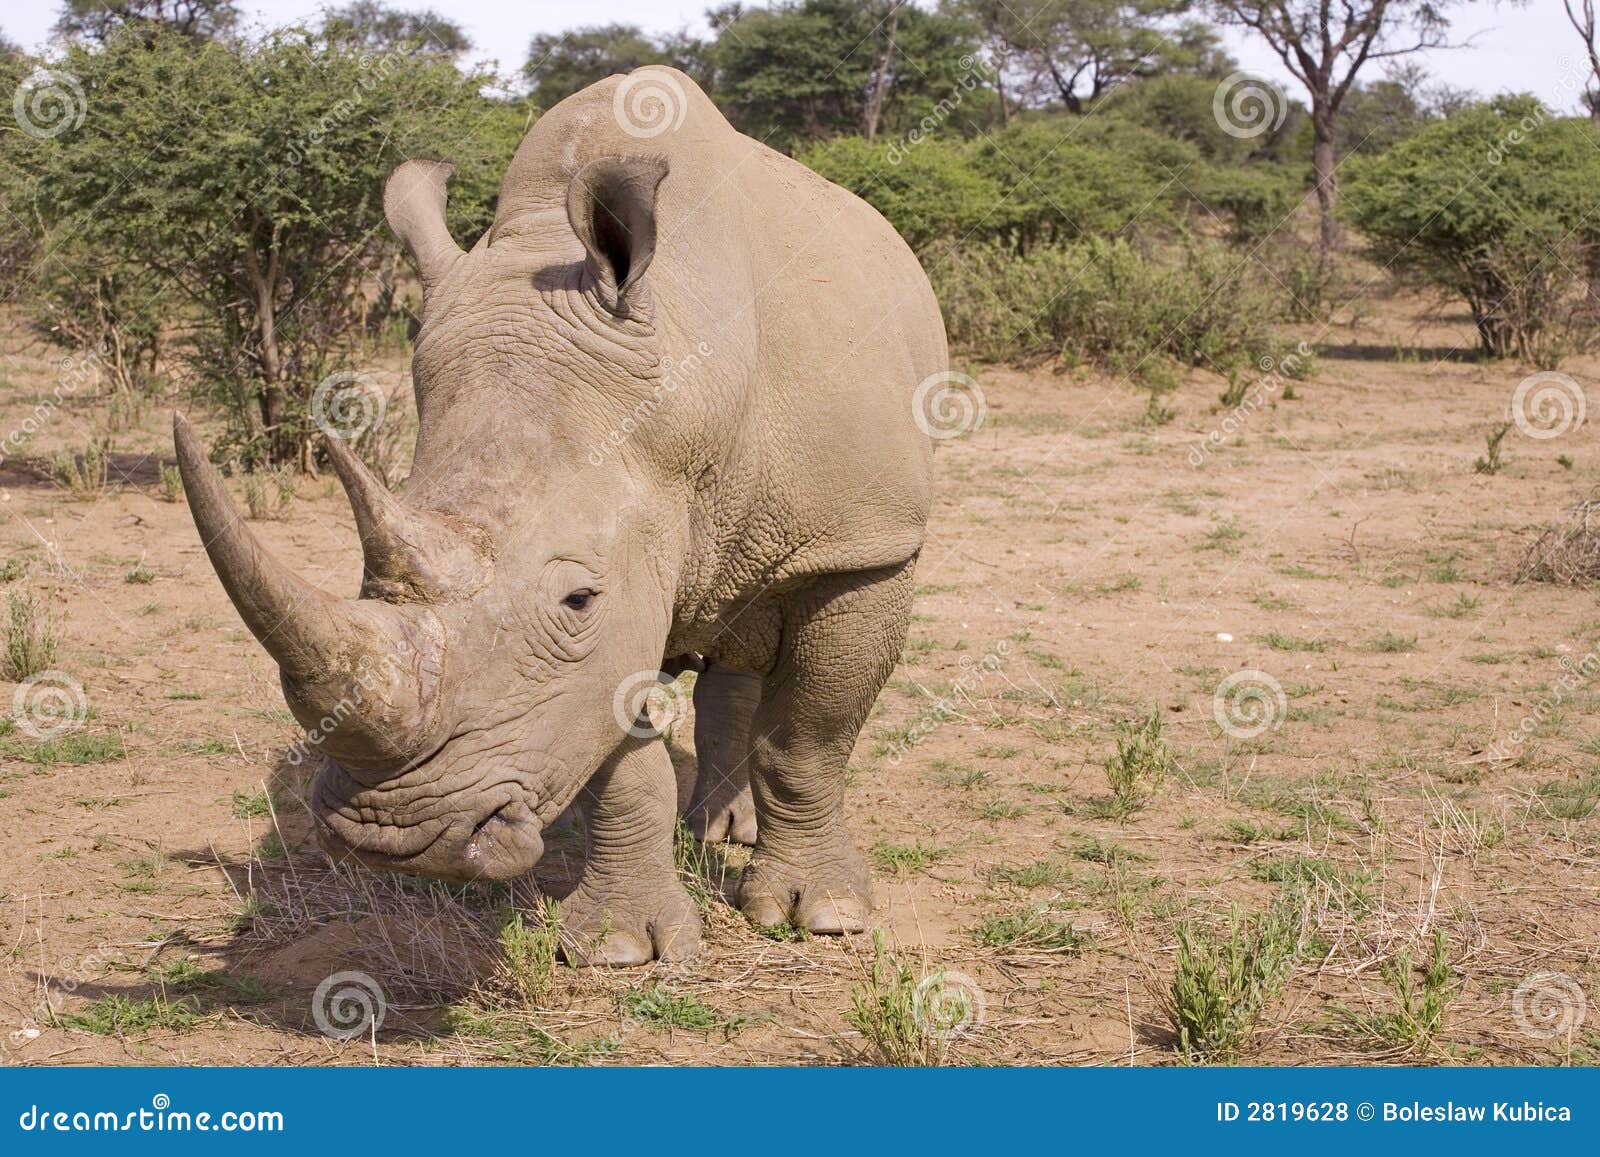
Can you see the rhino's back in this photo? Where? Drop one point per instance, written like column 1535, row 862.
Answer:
column 800, row 284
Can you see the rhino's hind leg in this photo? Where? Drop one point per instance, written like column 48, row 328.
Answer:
column 630, row 907
column 722, row 808
column 841, row 638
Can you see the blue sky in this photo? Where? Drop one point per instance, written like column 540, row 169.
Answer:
column 1526, row 47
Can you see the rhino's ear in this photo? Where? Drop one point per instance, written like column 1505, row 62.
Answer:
column 413, row 202
column 611, row 204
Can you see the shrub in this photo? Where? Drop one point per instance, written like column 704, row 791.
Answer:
column 171, row 483
column 86, row 298
column 530, row 952
column 1109, row 303
column 84, row 476
column 269, row 493
column 1252, row 202
column 1225, row 978
column 1567, row 550
column 1496, row 205
column 927, row 191
column 908, row 1017
column 30, row 639
column 1141, row 762
column 1055, row 189
column 1418, row 1013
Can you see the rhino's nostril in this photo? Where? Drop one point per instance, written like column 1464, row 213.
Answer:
column 496, row 818
column 508, row 831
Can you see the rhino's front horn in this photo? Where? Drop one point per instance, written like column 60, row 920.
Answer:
column 410, row 555
column 362, row 675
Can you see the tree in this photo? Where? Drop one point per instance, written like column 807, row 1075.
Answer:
column 1325, row 44
column 813, row 69
column 370, row 24
column 560, row 64
column 1181, row 107
column 96, row 20
column 256, row 218
column 1076, row 51
column 1496, row 205
column 1381, row 114
column 1582, row 16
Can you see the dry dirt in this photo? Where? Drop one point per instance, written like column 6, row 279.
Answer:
column 1081, row 571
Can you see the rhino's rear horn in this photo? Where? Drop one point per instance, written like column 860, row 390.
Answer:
column 410, row 555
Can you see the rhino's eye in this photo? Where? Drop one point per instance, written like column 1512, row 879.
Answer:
column 578, row 600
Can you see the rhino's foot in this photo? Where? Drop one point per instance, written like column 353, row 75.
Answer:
column 627, row 924
column 829, row 894
column 730, row 816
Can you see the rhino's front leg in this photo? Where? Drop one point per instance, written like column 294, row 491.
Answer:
column 630, row 907
column 841, row 639
column 725, row 701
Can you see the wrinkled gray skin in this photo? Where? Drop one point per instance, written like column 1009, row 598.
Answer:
column 665, row 409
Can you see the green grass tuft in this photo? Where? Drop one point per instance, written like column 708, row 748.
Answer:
column 1226, row 977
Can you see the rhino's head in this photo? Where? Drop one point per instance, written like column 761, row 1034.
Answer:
column 459, row 703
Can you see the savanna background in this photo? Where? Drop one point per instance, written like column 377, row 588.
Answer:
column 1248, row 709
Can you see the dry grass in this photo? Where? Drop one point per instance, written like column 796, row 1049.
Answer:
column 1566, row 551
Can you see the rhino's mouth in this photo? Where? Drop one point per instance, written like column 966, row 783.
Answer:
column 493, row 836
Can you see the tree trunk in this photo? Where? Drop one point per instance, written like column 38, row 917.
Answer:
column 1323, row 166
column 274, row 402
column 1065, row 86
column 880, row 83
column 1591, row 275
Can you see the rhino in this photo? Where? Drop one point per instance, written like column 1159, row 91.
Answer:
column 667, row 415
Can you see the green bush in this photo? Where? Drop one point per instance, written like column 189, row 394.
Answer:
column 257, row 214
column 1496, row 205
column 1050, row 180
column 1035, row 183
column 1225, row 978
column 1252, row 201
column 1108, row 302
column 927, row 191
column 1055, row 189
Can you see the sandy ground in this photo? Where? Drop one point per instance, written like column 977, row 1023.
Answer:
column 160, row 901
